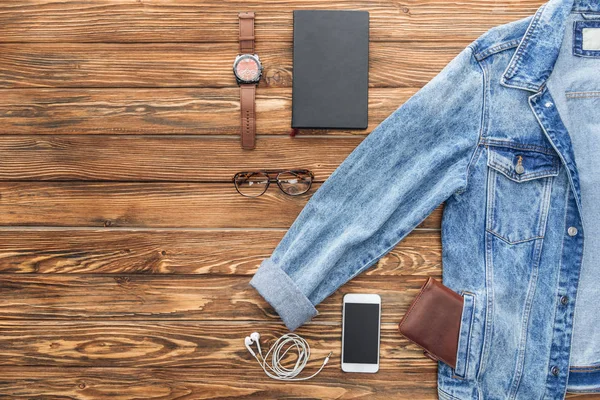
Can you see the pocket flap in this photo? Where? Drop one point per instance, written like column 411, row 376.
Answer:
column 522, row 165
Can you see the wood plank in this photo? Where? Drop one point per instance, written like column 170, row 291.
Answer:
column 191, row 383
column 150, row 205
column 182, row 383
column 216, row 21
column 183, row 298
column 203, row 65
column 180, row 252
column 164, row 158
column 178, row 344
column 164, row 111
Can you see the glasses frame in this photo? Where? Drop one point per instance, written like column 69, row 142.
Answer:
column 275, row 179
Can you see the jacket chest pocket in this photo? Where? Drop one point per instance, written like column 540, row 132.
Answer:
column 519, row 186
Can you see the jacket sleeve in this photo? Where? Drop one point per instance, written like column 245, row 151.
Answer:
column 411, row 163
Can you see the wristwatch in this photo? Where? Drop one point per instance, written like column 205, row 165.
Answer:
column 247, row 70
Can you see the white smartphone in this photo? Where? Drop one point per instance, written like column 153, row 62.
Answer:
column 361, row 332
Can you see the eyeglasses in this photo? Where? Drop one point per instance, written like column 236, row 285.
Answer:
column 291, row 182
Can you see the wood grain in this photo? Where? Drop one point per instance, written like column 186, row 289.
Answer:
column 170, row 252
column 150, row 205
column 404, row 381
column 155, row 111
column 203, row 65
column 183, row 298
column 164, row 158
column 216, row 21
column 178, row 344
column 192, row 383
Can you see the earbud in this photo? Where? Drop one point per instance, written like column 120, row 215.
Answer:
column 248, row 342
column 255, row 336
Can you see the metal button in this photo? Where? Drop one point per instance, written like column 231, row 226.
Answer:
column 555, row 371
column 572, row 231
column 519, row 169
column 564, row 300
column 549, row 104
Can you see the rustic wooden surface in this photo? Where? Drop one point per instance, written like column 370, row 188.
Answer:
column 125, row 252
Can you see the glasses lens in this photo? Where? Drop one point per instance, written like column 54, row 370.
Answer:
column 294, row 183
column 251, row 184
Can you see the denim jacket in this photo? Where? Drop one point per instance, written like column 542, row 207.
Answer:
column 508, row 136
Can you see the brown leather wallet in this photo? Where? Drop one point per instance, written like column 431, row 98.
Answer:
column 433, row 321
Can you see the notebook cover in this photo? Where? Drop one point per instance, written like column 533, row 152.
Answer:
column 331, row 69
column 433, row 321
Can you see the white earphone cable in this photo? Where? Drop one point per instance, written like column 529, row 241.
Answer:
column 279, row 372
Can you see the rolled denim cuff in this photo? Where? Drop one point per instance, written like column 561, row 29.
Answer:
column 283, row 295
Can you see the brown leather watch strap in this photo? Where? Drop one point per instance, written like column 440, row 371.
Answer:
column 246, row 32
column 247, row 105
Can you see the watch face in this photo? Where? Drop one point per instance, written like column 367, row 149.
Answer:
column 247, row 69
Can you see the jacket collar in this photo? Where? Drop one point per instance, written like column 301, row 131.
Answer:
column 534, row 59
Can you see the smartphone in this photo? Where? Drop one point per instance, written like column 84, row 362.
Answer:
column 361, row 333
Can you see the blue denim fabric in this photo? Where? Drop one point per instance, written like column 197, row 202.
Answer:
column 496, row 136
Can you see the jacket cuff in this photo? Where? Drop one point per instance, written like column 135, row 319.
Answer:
column 283, row 295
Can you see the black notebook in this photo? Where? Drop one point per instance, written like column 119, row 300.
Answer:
column 331, row 69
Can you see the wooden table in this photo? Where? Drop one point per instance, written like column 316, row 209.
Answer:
column 125, row 252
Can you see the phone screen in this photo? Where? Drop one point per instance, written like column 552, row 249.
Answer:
column 361, row 333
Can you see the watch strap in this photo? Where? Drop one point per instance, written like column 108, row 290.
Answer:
column 246, row 32
column 247, row 106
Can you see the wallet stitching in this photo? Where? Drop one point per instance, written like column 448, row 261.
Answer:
column 427, row 286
